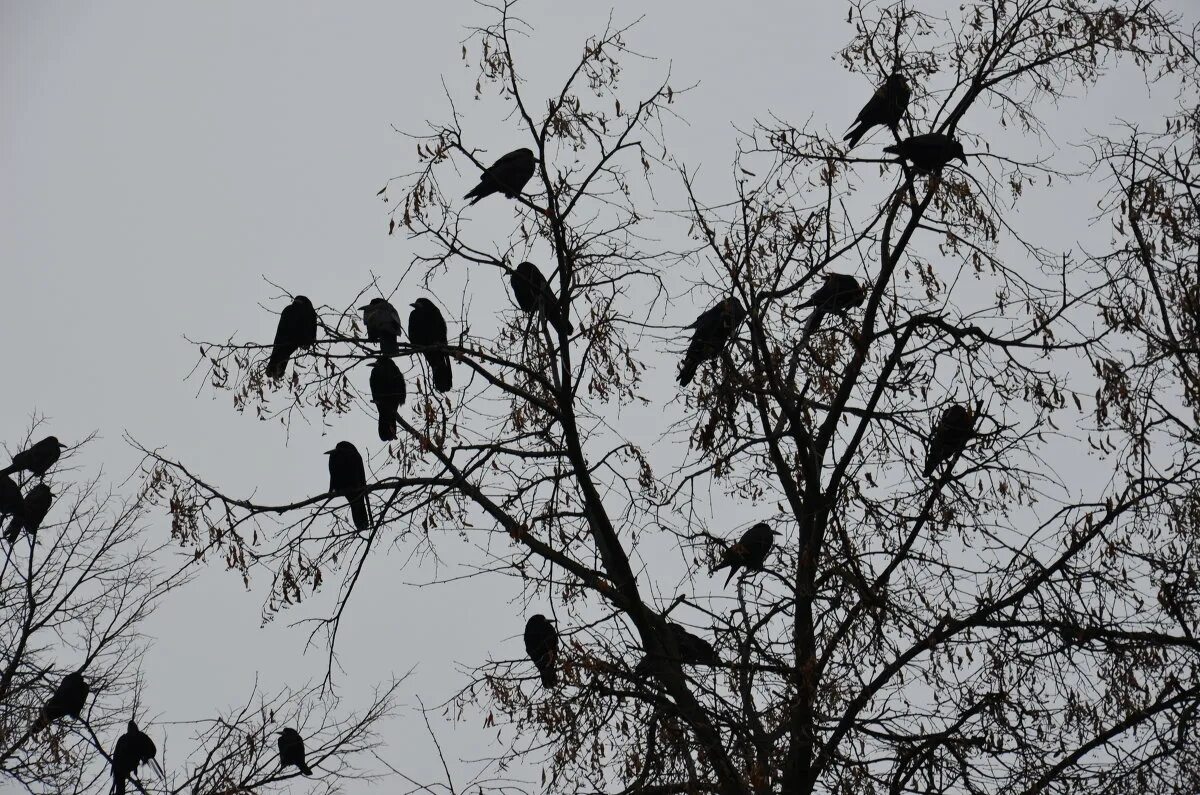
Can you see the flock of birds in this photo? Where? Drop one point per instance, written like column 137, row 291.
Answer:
column 297, row 329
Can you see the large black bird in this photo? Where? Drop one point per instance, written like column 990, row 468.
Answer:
column 383, row 325
column 68, row 700
column 886, row 106
column 693, row 650
column 541, row 644
column 950, row 437
column 291, row 751
column 133, row 749
column 297, row 329
column 387, row 392
column 348, row 477
column 33, row 510
column 839, row 293
column 507, row 175
column 712, row 332
column 750, row 551
column 11, row 502
column 928, row 152
column 37, row 459
column 427, row 329
column 533, row 294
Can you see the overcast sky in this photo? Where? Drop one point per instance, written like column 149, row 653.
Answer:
column 158, row 160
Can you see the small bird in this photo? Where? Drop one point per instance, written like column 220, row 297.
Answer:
column 541, row 644
column 68, row 700
column 33, row 510
column 383, row 325
column 507, row 175
column 950, row 437
column 388, row 393
column 297, row 329
column 133, row 749
column 348, row 477
column 533, row 294
column 712, row 332
column 427, row 329
column 839, row 293
column 11, row 502
column 928, row 153
column 886, row 106
column 750, row 551
column 693, row 650
column 37, row 459
column 291, row 751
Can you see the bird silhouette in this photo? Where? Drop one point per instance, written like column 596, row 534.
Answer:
column 67, row 701
column 711, row 334
column 388, row 393
column 541, row 644
column 886, row 106
column 297, row 329
column 37, row 459
column 133, row 749
column 508, row 175
column 693, row 650
column 383, row 325
column 348, row 478
column 33, row 510
column 928, row 153
column 950, row 437
column 534, row 294
column 839, row 292
column 750, row 551
column 291, row 751
column 11, row 501
column 427, row 331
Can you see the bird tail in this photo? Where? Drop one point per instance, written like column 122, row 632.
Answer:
column 688, row 371
column 278, row 363
column 118, row 787
column 855, row 135
column 42, row 723
column 930, row 465
column 359, row 511
column 475, row 194
column 14, row 529
column 389, row 346
column 732, row 571
column 443, row 377
column 305, row 770
column 387, row 425
column 549, row 677
column 814, row 322
column 894, row 149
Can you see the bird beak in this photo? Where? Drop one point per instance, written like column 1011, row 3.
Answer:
column 328, row 452
column 361, row 308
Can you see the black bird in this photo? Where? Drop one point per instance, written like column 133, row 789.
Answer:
column 348, row 477
column 533, row 294
column 839, row 293
column 37, row 459
column 427, row 329
column 297, row 329
column 712, row 332
column 749, row 552
column 133, row 749
column 507, row 175
column 541, row 644
column 68, row 700
column 886, row 106
column 33, row 510
column 291, row 751
column 693, row 650
column 383, row 325
column 928, row 152
column 387, row 392
column 11, row 502
column 950, row 437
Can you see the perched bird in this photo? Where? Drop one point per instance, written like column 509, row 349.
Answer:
column 533, row 294
column 11, row 502
column 33, row 510
column 387, row 392
column 37, row 459
column 291, row 751
column 297, row 329
column 427, row 329
column 383, row 325
column 928, row 152
column 750, row 551
column 950, row 437
column 348, row 477
column 133, row 749
column 886, row 106
column 839, row 293
column 541, row 644
column 712, row 332
column 68, row 700
column 507, row 175
column 693, row 650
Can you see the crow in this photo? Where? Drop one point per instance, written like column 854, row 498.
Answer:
column 11, row 502
column 950, row 437
column 839, row 293
column 507, row 175
column 886, row 106
column 33, row 510
column 427, row 329
column 348, row 477
column 533, row 294
column 68, row 700
column 928, row 152
column 693, row 650
column 133, row 749
column 541, row 644
column 297, row 329
column 383, row 325
column 749, row 552
column 37, row 459
column 291, row 751
column 387, row 392
column 712, row 332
